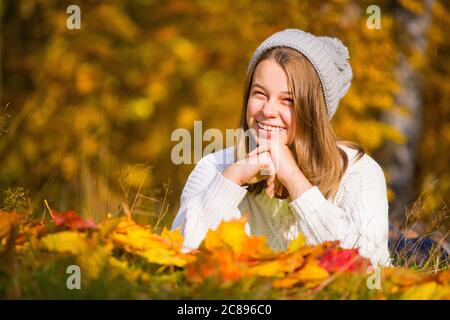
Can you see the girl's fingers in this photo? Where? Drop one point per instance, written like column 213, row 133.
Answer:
column 271, row 180
column 259, row 149
column 270, row 188
column 270, row 193
column 270, row 145
column 266, row 166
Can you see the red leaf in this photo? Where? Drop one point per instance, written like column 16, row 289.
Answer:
column 337, row 259
column 72, row 221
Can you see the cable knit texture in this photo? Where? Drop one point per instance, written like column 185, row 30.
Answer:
column 357, row 216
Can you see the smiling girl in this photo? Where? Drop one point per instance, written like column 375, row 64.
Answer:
column 298, row 178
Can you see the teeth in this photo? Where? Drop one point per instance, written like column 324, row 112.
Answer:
column 269, row 128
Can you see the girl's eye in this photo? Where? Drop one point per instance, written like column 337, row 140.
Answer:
column 289, row 101
column 259, row 93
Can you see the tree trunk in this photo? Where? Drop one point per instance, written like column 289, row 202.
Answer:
column 399, row 159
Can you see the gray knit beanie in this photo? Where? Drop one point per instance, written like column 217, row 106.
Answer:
column 328, row 56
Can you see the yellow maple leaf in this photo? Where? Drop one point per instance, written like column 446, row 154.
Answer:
column 310, row 274
column 132, row 236
column 140, row 240
column 107, row 226
column 229, row 234
column 311, row 271
column 274, row 268
column 292, row 261
column 427, row 291
column 173, row 236
column 297, row 243
column 65, row 242
column 286, row 282
column 164, row 256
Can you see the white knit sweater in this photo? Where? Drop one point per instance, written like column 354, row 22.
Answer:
column 357, row 216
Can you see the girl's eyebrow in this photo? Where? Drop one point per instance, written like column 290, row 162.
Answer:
column 262, row 87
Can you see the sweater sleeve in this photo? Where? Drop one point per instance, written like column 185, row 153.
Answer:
column 359, row 220
column 208, row 198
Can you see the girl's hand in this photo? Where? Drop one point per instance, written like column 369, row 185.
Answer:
column 251, row 169
column 286, row 168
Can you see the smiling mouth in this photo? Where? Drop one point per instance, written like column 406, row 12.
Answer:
column 269, row 128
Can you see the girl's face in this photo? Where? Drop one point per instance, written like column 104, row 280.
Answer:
column 270, row 106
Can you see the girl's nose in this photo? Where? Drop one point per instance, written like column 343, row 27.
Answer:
column 269, row 109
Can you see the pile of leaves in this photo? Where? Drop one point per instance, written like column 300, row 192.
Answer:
column 119, row 258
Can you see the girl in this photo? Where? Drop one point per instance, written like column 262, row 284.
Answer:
column 298, row 178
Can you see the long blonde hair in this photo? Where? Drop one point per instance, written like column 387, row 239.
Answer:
column 314, row 143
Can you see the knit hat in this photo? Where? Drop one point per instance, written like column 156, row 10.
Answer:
column 328, row 56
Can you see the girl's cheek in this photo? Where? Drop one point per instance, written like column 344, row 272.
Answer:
column 253, row 108
column 287, row 117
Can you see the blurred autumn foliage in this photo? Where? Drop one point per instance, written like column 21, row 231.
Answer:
column 87, row 115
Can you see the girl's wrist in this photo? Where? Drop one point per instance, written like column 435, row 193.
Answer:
column 231, row 174
column 298, row 189
column 297, row 185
